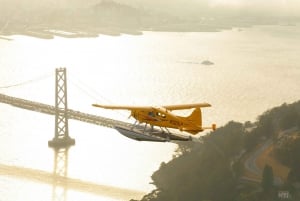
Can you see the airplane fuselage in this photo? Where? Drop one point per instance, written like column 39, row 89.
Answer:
column 164, row 118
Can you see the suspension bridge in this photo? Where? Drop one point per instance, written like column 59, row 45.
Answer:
column 61, row 111
column 50, row 110
column 61, row 141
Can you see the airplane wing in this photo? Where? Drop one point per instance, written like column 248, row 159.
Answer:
column 121, row 107
column 186, row 106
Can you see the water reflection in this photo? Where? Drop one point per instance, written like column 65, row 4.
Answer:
column 62, row 184
column 60, row 173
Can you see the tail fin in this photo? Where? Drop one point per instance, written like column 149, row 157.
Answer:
column 196, row 117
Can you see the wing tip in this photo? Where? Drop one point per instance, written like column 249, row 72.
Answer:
column 96, row 105
column 207, row 105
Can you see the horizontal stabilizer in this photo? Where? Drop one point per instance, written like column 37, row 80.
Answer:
column 213, row 127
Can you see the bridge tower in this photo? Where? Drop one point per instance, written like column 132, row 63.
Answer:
column 61, row 138
column 61, row 141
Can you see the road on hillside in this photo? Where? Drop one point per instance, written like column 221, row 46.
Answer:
column 250, row 163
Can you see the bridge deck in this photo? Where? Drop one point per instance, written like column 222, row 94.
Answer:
column 49, row 109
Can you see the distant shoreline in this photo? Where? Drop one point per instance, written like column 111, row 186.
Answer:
column 109, row 17
column 89, row 31
column 48, row 32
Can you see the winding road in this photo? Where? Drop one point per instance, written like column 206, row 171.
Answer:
column 250, row 163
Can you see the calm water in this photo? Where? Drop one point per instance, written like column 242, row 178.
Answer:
column 255, row 69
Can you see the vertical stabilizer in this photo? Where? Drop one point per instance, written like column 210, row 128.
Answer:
column 196, row 117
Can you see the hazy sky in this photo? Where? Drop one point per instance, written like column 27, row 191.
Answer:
column 267, row 7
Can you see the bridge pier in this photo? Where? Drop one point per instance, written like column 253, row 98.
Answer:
column 60, row 143
column 61, row 138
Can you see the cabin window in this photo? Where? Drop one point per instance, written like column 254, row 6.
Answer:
column 161, row 115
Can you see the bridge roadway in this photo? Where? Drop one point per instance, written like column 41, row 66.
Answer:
column 50, row 110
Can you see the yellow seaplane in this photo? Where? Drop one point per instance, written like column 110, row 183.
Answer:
column 163, row 118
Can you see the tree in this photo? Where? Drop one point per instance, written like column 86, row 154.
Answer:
column 267, row 178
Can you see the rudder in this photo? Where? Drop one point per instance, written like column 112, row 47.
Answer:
column 196, row 117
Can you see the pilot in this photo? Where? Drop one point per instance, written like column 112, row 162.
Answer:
column 151, row 114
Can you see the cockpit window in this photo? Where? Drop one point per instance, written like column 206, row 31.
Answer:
column 151, row 114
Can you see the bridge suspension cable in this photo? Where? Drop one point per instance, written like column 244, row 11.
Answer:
column 91, row 92
column 85, row 89
column 88, row 90
column 33, row 80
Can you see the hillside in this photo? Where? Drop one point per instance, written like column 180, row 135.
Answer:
column 212, row 170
